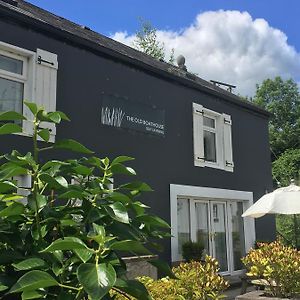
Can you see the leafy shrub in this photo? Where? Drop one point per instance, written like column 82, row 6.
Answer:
column 67, row 239
column 279, row 265
column 195, row 281
column 192, row 251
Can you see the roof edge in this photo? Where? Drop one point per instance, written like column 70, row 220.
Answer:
column 169, row 71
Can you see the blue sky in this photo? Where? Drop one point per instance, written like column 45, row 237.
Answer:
column 109, row 17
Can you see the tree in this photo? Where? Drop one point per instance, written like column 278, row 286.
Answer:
column 146, row 41
column 67, row 239
column 282, row 99
column 287, row 167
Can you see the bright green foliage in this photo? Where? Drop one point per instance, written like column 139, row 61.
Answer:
column 282, row 99
column 195, row 281
column 192, row 251
column 147, row 42
column 66, row 240
column 279, row 265
column 287, row 167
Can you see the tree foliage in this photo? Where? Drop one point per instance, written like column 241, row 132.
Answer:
column 287, row 167
column 146, row 41
column 67, row 238
column 282, row 99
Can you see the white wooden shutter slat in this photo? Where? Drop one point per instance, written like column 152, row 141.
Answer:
column 228, row 156
column 198, row 135
column 45, row 85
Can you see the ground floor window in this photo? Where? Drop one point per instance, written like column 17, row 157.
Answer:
column 212, row 217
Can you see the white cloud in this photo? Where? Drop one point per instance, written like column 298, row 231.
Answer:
column 232, row 47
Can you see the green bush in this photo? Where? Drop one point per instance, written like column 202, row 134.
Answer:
column 195, row 281
column 279, row 265
column 192, row 251
column 67, row 239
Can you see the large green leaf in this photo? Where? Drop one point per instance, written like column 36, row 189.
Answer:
column 14, row 209
column 163, row 268
column 83, row 254
column 54, row 182
column 96, row 280
column 120, row 197
column 137, row 185
column 7, row 186
column 33, row 280
column 72, row 145
column 37, row 203
column 121, row 159
column 8, row 170
column 119, row 212
column 32, row 107
column 11, row 116
column 44, row 134
column 9, row 128
column 54, row 117
column 33, row 295
column 63, row 116
column 130, row 246
column 29, row 264
column 134, row 288
column 68, row 243
column 153, row 221
column 121, row 169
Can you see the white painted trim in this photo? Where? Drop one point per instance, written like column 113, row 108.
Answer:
column 198, row 132
column 206, row 193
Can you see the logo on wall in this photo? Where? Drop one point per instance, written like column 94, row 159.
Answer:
column 123, row 113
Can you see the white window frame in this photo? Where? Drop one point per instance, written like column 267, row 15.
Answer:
column 205, row 193
column 27, row 78
column 40, row 80
column 222, row 131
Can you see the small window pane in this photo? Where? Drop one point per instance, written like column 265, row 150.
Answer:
column 210, row 146
column 238, row 234
column 183, row 222
column 209, row 122
column 11, row 95
column 11, row 65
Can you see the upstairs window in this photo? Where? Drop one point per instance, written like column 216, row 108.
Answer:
column 212, row 139
column 13, row 76
column 30, row 76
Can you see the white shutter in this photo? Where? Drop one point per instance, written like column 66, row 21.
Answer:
column 228, row 157
column 45, row 85
column 198, row 135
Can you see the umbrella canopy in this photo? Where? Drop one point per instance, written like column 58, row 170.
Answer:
column 285, row 200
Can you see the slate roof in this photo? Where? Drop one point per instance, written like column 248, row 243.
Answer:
column 24, row 12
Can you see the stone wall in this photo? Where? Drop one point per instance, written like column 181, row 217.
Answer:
column 139, row 266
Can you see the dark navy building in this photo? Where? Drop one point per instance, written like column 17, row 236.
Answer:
column 202, row 149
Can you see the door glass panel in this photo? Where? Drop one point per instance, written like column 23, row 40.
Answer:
column 219, row 233
column 11, row 95
column 210, row 146
column 238, row 234
column 11, row 65
column 202, row 225
column 183, row 222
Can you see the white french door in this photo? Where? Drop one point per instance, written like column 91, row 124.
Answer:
column 214, row 217
column 209, row 218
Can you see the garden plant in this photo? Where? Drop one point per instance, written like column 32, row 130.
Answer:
column 195, row 281
column 192, row 251
column 278, row 265
column 66, row 238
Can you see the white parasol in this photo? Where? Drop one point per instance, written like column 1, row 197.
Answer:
column 284, row 200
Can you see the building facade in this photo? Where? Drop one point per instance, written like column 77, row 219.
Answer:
column 204, row 151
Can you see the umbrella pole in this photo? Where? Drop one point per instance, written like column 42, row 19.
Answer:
column 296, row 231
